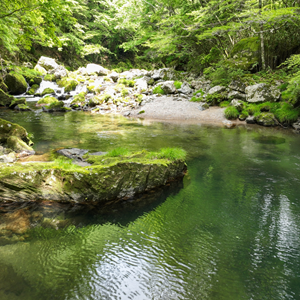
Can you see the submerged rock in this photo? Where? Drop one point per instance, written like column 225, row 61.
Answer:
column 116, row 178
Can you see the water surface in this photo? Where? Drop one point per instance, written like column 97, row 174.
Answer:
column 230, row 230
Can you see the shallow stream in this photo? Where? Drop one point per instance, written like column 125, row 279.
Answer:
column 230, row 230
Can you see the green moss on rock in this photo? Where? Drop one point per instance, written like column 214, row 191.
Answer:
column 68, row 84
column 33, row 89
column 16, row 83
column 8, row 129
column 47, row 91
column 119, row 177
column 47, row 101
column 5, row 99
column 17, row 101
column 17, row 145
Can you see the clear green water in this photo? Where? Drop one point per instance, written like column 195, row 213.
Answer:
column 230, row 230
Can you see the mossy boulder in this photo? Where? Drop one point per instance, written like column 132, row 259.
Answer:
column 33, row 79
column 5, row 99
column 17, row 101
column 117, row 178
column 8, row 129
column 22, row 107
column 55, row 107
column 265, row 119
column 33, row 89
column 50, row 77
column 79, row 100
column 95, row 101
column 40, row 69
column 46, row 101
column 68, row 84
column 47, row 91
column 18, row 145
column 245, row 54
column 16, row 83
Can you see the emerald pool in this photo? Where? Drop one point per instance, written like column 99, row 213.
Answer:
column 229, row 230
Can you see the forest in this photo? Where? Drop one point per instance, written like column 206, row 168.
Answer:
column 187, row 35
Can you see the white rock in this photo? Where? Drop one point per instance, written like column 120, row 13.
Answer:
column 168, row 87
column 141, row 84
column 185, row 89
column 99, row 70
column 261, row 93
column 217, row 89
column 47, row 63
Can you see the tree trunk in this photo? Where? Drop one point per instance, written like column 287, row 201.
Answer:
column 262, row 43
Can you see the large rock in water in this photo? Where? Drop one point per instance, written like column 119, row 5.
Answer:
column 114, row 180
column 261, row 93
column 16, row 83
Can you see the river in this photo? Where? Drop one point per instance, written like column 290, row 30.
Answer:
column 229, row 230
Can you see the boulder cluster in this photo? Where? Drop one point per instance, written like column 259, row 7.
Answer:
column 99, row 90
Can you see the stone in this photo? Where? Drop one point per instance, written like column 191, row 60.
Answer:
column 8, row 158
column 141, row 84
column 40, row 69
column 59, row 72
column 5, row 99
column 266, row 119
column 100, row 182
column 28, row 65
column 168, row 87
column 17, row 101
column 76, row 155
column 164, row 74
column 47, row 91
column 236, row 95
column 22, row 107
column 8, row 129
column 238, row 104
column 238, row 86
column 16, row 83
column 217, row 90
column 96, row 69
column 203, row 106
column 296, row 125
column 47, row 63
column 114, row 76
column 185, row 89
column 261, row 93
column 17, row 145
column 250, row 120
column 228, row 124
column 201, row 84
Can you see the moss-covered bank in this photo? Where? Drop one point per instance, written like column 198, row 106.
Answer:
column 106, row 179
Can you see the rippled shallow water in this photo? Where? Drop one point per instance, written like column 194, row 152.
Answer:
column 230, row 230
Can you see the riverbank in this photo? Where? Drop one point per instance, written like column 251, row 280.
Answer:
column 168, row 108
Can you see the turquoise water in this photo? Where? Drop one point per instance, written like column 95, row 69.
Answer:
column 229, row 230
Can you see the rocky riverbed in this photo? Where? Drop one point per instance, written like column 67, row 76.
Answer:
column 162, row 94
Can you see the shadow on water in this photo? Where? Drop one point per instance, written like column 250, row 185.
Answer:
column 16, row 219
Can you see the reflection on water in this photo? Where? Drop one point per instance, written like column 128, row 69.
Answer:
column 230, row 230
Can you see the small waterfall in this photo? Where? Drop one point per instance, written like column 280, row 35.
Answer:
column 48, row 84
